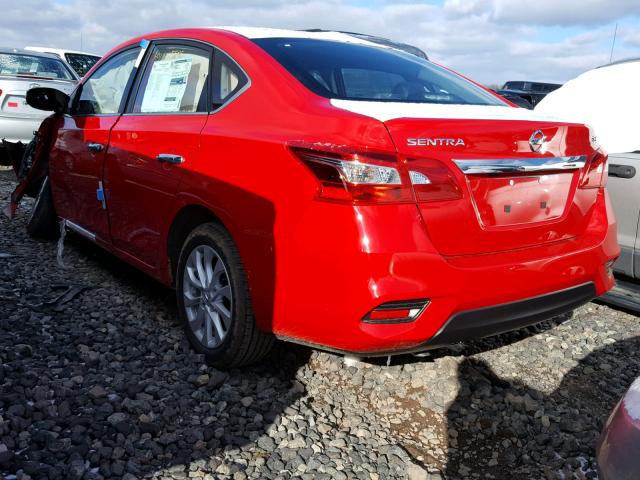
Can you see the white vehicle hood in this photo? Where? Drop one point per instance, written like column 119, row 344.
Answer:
column 606, row 99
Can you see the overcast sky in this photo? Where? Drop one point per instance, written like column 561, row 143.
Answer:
column 489, row 40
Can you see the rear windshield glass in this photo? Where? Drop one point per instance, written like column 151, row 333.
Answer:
column 80, row 62
column 19, row 65
column 361, row 72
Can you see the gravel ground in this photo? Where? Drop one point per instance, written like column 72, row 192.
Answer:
column 105, row 386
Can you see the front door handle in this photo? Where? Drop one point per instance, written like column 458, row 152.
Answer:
column 169, row 158
column 621, row 171
column 95, row 147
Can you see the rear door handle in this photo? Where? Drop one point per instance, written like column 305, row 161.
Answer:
column 621, row 171
column 95, row 147
column 169, row 158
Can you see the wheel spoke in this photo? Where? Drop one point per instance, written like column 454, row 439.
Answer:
column 217, row 324
column 223, row 312
column 198, row 320
column 193, row 277
column 223, row 292
column 200, row 266
column 191, row 300
column 209, row 259
column 206, row 338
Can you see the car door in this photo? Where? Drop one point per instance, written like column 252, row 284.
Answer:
column 154, row 140
column 77, row 157
column 624, row 190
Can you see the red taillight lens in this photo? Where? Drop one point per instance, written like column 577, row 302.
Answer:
column 396, row 312
column 349, row 175
column 353, row 176
column 432, row 181
column 596, row 171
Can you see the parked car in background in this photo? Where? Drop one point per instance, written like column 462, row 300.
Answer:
column 600, row 98
column 288, row 184
column 514, row 98
column 531, row 92
column 21, row 70
column 80, row 62
column 619, row 443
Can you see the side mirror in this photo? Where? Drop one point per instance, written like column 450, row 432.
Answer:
column 48, row 99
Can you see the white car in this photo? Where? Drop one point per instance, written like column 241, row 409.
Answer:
column 606, row 99
column 80, row 62
column 20, row 71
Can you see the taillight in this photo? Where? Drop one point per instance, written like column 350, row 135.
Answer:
column 355, row 176
column 345, row 174
column 596, row 171
column 432, row 181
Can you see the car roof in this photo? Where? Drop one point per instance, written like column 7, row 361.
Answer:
column 317, row 34
column 22, row 51
column 58, row 51
column 619, row 62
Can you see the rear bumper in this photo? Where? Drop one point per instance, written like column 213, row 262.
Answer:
column 470, row 296
column 18, row 129
column 487, row 321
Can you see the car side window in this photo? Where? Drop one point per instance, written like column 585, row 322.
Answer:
column 102, row 92
column 228, row 79
column 174, row 81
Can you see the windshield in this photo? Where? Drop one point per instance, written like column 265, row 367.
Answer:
column 81, row 62
column 19, row 65
column 353, row 71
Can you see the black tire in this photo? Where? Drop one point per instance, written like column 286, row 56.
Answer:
column 43, row 221
column 244, row 343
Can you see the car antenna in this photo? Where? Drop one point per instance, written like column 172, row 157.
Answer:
column 613, row 44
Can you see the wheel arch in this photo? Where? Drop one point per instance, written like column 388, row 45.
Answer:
column 184, row 222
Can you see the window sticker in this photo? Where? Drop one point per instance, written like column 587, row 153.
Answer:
column 166, row 85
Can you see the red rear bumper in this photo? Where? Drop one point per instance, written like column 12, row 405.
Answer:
column 349, row 274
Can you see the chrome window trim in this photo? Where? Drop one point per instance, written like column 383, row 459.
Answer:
column 496, row 166
column 209, row 111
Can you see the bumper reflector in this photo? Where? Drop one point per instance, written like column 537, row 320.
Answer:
column 396, row 312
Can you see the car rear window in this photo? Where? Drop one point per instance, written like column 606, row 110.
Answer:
column 353, row 71
column 31, row 66
column 80, row 62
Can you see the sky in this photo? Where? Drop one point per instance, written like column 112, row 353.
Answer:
column 491, row 41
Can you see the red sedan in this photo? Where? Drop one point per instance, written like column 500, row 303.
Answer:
column 323, row 189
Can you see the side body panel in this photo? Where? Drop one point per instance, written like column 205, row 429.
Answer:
column 139, row 188
column 76, row 172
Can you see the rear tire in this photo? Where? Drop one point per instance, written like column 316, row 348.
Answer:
column 43, row 221
column 214, row 301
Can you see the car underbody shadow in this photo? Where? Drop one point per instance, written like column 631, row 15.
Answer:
column 107, row 385
column 536, row 434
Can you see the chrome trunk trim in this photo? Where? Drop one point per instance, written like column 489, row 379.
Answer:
column 497, row 166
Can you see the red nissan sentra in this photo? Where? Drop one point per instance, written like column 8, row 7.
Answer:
column 319, row 188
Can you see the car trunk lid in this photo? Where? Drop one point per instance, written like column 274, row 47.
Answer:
column 14, row 89
column 510, row 195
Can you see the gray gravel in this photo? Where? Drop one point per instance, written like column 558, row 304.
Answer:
column 105, row 386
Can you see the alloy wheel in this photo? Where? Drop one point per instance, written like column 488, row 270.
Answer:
column 208, row 299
